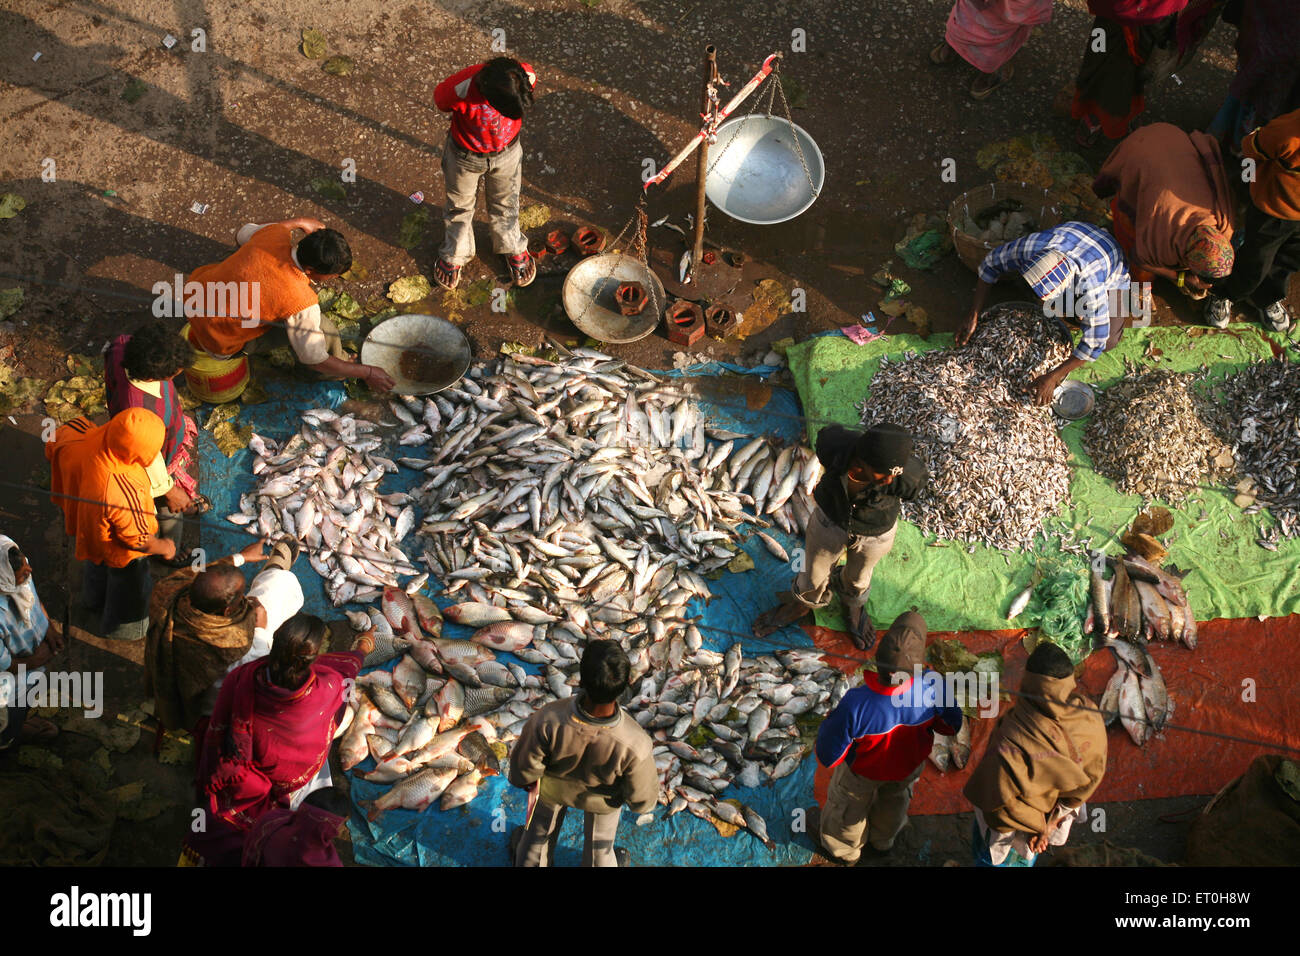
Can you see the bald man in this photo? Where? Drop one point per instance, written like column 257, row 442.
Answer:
column 204, row 624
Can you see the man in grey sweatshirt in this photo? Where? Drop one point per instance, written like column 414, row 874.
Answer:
column 584, row 752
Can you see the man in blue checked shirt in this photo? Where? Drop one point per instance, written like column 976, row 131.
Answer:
column 1073, row 268
column 26, row 640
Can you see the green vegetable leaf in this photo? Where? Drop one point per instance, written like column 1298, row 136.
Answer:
column 313, row 44
column 11, row 204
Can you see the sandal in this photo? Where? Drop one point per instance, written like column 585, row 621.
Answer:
column 446, row 275
column 942, row 53
column 984, row 84
column 523, row 269
column 199, row 505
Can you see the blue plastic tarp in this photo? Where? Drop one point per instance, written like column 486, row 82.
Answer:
column 477, row 834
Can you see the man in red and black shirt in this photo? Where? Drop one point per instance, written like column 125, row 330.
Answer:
column 876, row 740
column 486, row 103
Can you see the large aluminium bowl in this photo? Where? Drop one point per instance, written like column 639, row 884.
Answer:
column 437, row 343
column 754, row 170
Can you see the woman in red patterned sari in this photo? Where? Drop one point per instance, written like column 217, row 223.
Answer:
column 268, row 740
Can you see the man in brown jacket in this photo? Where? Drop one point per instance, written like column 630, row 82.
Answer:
column 1270, row 254
column 583, row 752
column 1046, row 756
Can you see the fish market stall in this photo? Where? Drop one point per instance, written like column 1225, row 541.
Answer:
column 475, row 830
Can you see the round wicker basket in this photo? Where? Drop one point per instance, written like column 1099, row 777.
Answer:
column 1037, row 203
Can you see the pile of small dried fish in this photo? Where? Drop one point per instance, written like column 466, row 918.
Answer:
column 1261, row 404
column 998, row 467
column 565, row 501
column 1154, row 436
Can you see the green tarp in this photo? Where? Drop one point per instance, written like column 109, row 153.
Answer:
column 1229, row 575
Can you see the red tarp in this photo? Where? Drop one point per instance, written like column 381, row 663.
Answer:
column 1206, row 684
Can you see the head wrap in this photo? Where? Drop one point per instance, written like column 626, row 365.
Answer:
column 23, row 595
column 1210, row 253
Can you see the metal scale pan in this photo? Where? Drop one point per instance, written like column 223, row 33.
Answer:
column 756, row 176
column 589, row 301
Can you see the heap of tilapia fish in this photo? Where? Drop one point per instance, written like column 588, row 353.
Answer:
column 1154, row 436
column 998, row 467
column 1141, row 601
column 1262, row 402
column 565, row 501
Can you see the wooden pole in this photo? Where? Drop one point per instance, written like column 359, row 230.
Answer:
column 702, row 160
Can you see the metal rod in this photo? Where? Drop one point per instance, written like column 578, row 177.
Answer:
column 704, row 132
column 707, row 110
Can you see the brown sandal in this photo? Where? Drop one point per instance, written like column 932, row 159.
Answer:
column 446, row 275
column 984, row 84
column 942, row 53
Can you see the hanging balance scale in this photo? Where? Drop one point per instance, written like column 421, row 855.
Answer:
column 768, row 170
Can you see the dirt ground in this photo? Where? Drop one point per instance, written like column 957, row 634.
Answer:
column 247, row 125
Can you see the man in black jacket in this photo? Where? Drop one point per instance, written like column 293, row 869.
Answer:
column 868, row 476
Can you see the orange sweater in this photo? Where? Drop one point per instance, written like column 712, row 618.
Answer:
column 282, row 289
column 1276, row 150
column 101, row 471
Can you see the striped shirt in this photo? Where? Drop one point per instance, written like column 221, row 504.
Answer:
column 1099, row 267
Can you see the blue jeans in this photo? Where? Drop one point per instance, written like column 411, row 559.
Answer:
column 979, row 846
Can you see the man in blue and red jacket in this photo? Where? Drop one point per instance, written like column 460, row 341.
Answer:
column 876, row 740
column 486, row 102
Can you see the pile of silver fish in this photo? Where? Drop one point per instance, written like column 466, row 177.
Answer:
column 565, row 501
column 1261, row 403
column 1154, row 436
column 998, row 467
column 321, row 488
column 1136, row 694
column 1141, row 602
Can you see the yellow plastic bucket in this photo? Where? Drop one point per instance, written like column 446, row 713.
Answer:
column 215, row 380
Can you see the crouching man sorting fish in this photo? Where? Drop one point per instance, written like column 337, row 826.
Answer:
column 1075, row 269
column 876, row 739
column 1046, row 756
column 584, row 752
column 868, row 477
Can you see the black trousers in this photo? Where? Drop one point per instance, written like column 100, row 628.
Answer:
column 17, row 716
column 1265, row 261
column 122, row 595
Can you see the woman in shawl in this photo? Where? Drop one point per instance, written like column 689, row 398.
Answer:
column 98, row 479
column 138, row 373
column 1046, row 756
column 1171, row 205
column 267, row 742
column 1267, row 82
column 25, row 641
column 1133, row 43
column 987, row 34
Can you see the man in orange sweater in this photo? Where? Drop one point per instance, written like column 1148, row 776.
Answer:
column 279, row 273
column 1271, row 251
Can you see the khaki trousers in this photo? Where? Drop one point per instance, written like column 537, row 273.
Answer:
column 857, row 807
column 824, row 544
column 537, row 848
column 501, row 175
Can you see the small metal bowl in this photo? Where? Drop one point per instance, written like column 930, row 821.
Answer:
column 1073, row 400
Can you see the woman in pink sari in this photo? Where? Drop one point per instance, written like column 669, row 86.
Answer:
column 987, row 34
column 270, row 734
